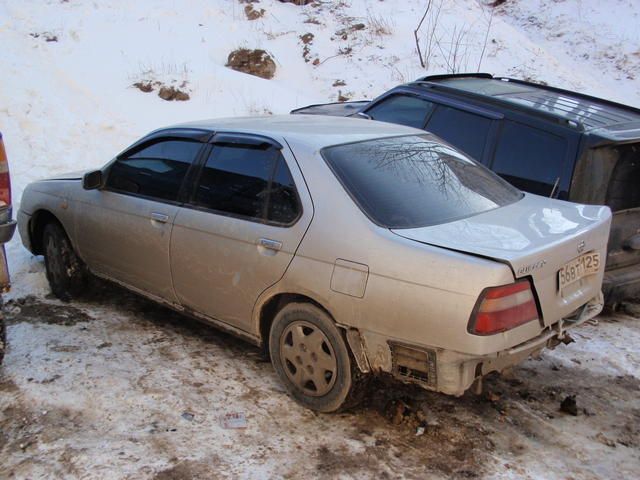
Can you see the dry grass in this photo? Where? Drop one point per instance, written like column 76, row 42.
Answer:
column 378, row 25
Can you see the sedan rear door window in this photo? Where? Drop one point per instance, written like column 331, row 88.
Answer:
column 283, row 198
column 402, row 109
column 156, row 171
column 416, row 181
column 248, row 181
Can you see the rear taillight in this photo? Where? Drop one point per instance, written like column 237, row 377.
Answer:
column 5, row 181
column 503, row 308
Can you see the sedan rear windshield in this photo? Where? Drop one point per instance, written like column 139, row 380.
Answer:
column 416, row 181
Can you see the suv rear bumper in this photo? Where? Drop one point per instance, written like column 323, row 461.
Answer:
column 621, row 283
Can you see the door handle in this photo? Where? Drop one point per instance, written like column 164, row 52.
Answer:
column 160, row 217
column 270, row 244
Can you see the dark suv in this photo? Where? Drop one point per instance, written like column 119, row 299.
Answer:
column 543, row 140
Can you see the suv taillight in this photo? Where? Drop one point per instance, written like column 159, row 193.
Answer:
column 503, row 308
column 5, row 180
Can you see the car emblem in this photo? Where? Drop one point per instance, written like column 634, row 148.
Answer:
column 581, row 246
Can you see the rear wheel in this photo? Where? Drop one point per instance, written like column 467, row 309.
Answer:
column 66, row 273
column 311, row 358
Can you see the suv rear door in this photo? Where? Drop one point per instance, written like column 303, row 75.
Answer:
column 535, row 158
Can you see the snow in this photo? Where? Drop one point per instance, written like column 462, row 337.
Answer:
column 69, row 104
column 98, row 389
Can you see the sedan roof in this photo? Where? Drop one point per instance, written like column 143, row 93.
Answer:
column 317, row 131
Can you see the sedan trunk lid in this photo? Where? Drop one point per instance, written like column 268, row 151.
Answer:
column 536, row 237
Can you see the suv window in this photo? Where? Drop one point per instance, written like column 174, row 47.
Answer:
column 248, row 181
column 156, row 171
column 416, row 181
column 402, row 109
column 467, row 131
column 529, row 158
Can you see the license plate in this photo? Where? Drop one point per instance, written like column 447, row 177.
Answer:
column 578, row 268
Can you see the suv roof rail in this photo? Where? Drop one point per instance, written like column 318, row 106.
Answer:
column 488, row 76
column 571, row 93
column 497, row 101
column 431, row 78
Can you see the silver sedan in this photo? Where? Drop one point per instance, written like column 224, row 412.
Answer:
column 344, row 248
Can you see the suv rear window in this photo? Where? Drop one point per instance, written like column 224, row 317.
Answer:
column 414, row 181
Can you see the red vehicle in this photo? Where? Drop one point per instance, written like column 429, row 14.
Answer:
column 7, row 227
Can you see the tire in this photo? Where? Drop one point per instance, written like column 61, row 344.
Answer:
column 66, row 273
column 311, row 357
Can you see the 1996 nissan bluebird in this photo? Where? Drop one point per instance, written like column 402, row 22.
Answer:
column 345, row 248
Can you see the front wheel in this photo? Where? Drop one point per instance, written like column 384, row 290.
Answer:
column 311, row 358
column 66, row 273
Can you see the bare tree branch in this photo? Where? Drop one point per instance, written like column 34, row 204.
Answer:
column 415, row 34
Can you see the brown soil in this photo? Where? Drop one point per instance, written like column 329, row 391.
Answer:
column 172, row 93
column 253, row 14
column 253, row 62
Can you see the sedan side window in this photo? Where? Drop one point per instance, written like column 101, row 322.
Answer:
column 156, row 171
column 247, row 181
column 402, row 109
column 283, row 199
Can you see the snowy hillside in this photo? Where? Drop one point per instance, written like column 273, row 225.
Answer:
column 68, row 66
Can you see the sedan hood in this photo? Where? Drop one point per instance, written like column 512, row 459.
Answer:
column 69, row 176
column 536, row 236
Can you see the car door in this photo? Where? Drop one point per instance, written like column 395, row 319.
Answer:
column 466, row 130
column 236, row 236
column 124, row 228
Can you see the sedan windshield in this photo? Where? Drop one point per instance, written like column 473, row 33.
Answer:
column 416, row 181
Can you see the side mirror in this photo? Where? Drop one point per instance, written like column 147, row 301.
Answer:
column 362, row 115
column 92, row 180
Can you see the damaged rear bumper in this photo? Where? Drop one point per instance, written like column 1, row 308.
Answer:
column 453, row 372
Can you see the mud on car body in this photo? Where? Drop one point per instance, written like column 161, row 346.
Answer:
column 345, row 248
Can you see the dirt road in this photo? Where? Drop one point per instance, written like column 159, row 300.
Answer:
column 116, row 387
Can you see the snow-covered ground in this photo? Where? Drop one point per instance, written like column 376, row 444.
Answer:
column 67, row 103
column 115, row 387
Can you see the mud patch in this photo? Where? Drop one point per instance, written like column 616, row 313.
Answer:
column 36, row 311
column 24, row 430
column 192, row 470
column 435, row 431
